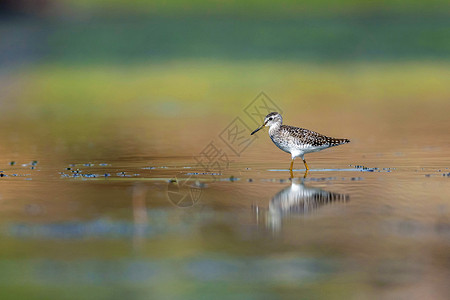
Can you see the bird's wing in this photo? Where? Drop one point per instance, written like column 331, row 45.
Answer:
column 306, row 136
column 315, row 139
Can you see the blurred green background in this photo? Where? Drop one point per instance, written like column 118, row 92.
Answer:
column 148, row 61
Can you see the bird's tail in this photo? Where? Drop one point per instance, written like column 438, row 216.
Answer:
column 337, row 142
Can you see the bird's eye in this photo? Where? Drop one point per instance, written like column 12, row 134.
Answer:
column 270, row 119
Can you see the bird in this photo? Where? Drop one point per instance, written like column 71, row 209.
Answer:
column 296, row 141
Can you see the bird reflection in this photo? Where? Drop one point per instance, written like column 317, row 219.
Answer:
column 298, row 199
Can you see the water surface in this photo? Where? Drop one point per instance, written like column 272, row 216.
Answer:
column 88, row 220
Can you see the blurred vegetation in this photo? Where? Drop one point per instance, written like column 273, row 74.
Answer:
column 153, row 38
column 260, row 6
column 93, row 61
column 199, row 87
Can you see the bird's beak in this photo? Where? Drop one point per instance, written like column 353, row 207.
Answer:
column 258, row 129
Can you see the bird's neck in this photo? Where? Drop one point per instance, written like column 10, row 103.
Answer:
column 274, row 128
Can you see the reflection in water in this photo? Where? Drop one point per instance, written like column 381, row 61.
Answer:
column 298, row 199
column 140, row 217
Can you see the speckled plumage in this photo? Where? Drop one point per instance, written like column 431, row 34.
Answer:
column 293, row 139
column 297, row 141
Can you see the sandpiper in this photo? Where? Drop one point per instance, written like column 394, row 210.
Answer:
column 296, row 141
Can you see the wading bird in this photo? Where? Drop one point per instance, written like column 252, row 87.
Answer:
column 296, row 141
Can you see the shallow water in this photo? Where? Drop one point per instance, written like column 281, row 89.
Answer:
column 369, row 221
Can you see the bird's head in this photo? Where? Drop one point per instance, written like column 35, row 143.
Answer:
column 271, row 119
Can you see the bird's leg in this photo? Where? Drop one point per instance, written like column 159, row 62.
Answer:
column 290, row 169
column 306, row 165
column 306, row 173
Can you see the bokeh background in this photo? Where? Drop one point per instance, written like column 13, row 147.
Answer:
column 93, row 71
column 140, row 87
